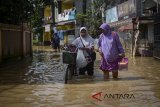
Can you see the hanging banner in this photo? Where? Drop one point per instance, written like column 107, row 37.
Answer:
column 111, row 15
column 127, row 10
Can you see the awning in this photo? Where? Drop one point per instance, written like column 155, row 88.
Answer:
column 126, row 27
column 121, row 23
column 66, row 22
column 146, row 21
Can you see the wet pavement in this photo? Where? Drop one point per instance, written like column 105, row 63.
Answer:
column 39, row 83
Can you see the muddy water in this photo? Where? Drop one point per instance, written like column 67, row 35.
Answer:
column 39, row 83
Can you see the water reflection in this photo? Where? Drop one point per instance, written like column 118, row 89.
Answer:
column 44, row 68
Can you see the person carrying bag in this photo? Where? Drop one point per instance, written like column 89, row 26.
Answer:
column 85, row 45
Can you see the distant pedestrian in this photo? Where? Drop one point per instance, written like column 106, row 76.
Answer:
column 111, row 50
column 56, row 42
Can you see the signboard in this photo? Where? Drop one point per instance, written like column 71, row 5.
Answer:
column 120, row 23
column 47, row 28
column 111, row 15
column 127, row 10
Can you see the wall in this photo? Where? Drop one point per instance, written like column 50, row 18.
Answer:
column 15, row 41
column 47, row 22
column 156, row 52
column 47, row 11
column 126, row 40
column 150, row 33
column 67, row 5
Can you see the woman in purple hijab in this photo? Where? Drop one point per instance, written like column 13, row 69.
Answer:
column 111, row 50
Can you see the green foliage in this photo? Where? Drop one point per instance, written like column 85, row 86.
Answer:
column 24, row 11
column 36, row 19
column 93, row 16
column 15, row 11
column 18, row 11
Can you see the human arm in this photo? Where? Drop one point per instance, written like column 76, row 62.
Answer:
column 99, row 46
column 75, row 43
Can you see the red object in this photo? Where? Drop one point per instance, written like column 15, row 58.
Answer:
column 123, row 64
column 97, row 96
column 126, row 27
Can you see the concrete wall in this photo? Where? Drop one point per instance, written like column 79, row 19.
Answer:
column 126, row 40
column 15, row 41
column 156, row 52
column 139, row 7
column 150, row 33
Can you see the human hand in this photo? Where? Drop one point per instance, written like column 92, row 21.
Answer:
column 72, row 45
column 122, row 55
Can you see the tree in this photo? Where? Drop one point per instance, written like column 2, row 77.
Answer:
column 93, row 17
column 24, row 11
column 15, row 11
column 18, row 11
column 37, row 22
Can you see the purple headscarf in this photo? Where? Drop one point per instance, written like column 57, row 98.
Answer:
column 107, row 28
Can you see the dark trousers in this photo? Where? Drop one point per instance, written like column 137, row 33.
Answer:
column 89, row 68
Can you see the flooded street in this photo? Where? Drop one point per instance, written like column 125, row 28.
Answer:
column 40, row 83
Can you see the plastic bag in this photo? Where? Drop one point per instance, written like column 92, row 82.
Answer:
column 81, row 60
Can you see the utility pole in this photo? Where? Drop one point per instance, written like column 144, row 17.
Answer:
column 53, row 12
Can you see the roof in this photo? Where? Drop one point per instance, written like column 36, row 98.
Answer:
column 126, row 27
column 66, row 22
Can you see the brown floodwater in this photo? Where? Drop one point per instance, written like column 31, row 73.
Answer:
column 39, row 83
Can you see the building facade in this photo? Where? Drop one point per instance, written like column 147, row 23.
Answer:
column 47, row 24
column 156, row 52
column 135, row 23
column 65, row 19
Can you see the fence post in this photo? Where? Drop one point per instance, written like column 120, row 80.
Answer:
column 0, row 46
